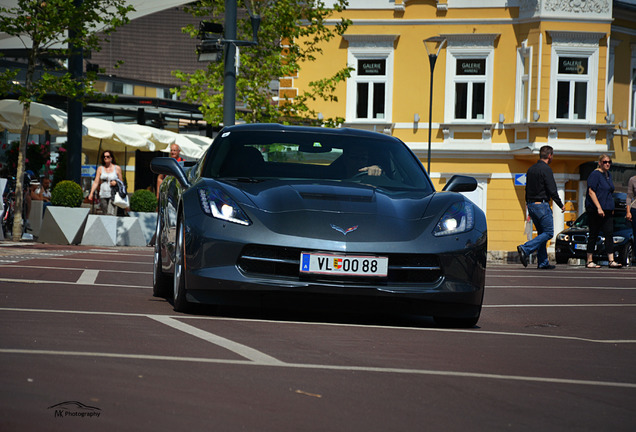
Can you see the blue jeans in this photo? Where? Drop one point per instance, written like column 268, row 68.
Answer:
column 541, row 216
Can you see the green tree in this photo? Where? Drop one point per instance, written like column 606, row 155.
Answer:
column 291, row 33
column 46, row 28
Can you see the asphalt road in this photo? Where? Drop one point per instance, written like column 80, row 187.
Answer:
column 85, row 346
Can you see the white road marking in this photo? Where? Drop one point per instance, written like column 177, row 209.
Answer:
column 560, row 305
column 78, row 268
column 235, row 347
column 303, row 323
column 525, row 287
column 49, row 282
column 451, row 374
column 88, row 277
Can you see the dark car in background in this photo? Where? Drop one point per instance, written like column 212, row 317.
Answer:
column 292, row 215
column 572, row 242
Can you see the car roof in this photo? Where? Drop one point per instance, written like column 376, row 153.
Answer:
column 264, row 127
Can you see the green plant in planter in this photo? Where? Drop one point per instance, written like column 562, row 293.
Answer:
column 67, row 193
column 143, row 201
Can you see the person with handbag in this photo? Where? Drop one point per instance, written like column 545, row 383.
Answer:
column 599, row 205
column 106, row 177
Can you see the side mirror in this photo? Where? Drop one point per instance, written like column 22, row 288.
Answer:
column 460, row 183
column 569, row 223
column 170, row 167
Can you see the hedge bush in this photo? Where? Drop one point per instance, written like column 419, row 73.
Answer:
column 143, row 201
column 67, row 193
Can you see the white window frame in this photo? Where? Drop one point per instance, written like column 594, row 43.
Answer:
column 370, row 47
column 469, row 46
column 582, row 45
column 524, row 84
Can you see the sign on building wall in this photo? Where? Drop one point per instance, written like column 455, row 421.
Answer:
column 371, row 67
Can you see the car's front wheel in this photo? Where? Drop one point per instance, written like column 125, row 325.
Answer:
column 160, row 280
column 626, row 255
column 181, row 304
column 453, row 322
column 562, row 259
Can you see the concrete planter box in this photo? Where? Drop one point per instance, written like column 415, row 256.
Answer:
column 63, row 225
column 148, row 222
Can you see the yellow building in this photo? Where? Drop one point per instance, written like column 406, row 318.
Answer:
column 511, row 76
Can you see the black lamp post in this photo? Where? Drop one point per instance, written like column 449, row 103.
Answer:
column 219, row 43
column 433, row 46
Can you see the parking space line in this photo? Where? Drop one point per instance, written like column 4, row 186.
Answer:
column 561, row 305
column 49, row 282
column 451, row 374
column 80, row 268
column 552, row 288
column 326, row 324
column 88, row 277
column 235, row 347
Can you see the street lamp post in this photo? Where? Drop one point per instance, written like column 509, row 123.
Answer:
column 433, row 46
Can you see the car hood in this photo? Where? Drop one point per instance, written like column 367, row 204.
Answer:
column 278, row 197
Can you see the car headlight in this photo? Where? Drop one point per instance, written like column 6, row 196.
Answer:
column 563, row 237
column 219, row 205
column 459, row 218
column 619, row 239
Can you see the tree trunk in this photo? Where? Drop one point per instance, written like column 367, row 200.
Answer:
column 24, row 136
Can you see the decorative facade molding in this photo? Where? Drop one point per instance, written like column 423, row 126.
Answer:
column 592, row 9
column 371, row 41
column 571, row 38
column 470, row 40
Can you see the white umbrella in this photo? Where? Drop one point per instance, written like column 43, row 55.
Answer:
column 160, row 137
column 42, row 117
column 192, row 146
column 99, row 133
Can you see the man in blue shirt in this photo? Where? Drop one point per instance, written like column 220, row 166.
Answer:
column 540, row 187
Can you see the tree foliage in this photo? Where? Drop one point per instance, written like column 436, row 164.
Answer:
column 46, row 28
column 292, row 32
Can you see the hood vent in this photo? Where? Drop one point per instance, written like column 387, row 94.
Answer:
column 336, row 197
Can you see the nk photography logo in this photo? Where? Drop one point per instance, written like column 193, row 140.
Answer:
column 74, row 409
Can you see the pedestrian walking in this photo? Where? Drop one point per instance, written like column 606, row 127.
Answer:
column 631, row 206
column 540, row 188
column 599, row 205
column 106, row 177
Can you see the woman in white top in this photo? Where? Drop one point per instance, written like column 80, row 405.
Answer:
column 106, row 176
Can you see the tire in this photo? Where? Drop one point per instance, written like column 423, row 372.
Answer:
column 180, row 302
column 626, row 255
column 562, row 259
column 160, row 280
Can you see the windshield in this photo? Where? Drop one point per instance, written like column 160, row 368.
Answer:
column 620, row 221
column 264, row 155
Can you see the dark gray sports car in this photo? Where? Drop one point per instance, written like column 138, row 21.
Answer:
column 277, row 214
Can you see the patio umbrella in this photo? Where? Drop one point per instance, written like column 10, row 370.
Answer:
column 42, row 118
column 160, row 137
column 192, row 146
column 99, row 133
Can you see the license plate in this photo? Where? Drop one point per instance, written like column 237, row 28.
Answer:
column 344, row 265
column 580, row 246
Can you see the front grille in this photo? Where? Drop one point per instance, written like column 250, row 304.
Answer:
column 579, row 238
column 284, row 262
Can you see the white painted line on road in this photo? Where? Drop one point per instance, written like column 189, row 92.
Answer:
column 560, row 305
column 77, row 268
column 48, row 282
column 304, row 323
column 526, row 287
column 451, row 374
column 88, row 277
column 149, row 262
column 235, row 347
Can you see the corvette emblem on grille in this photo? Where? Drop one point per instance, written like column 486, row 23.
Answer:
column 344, row 231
